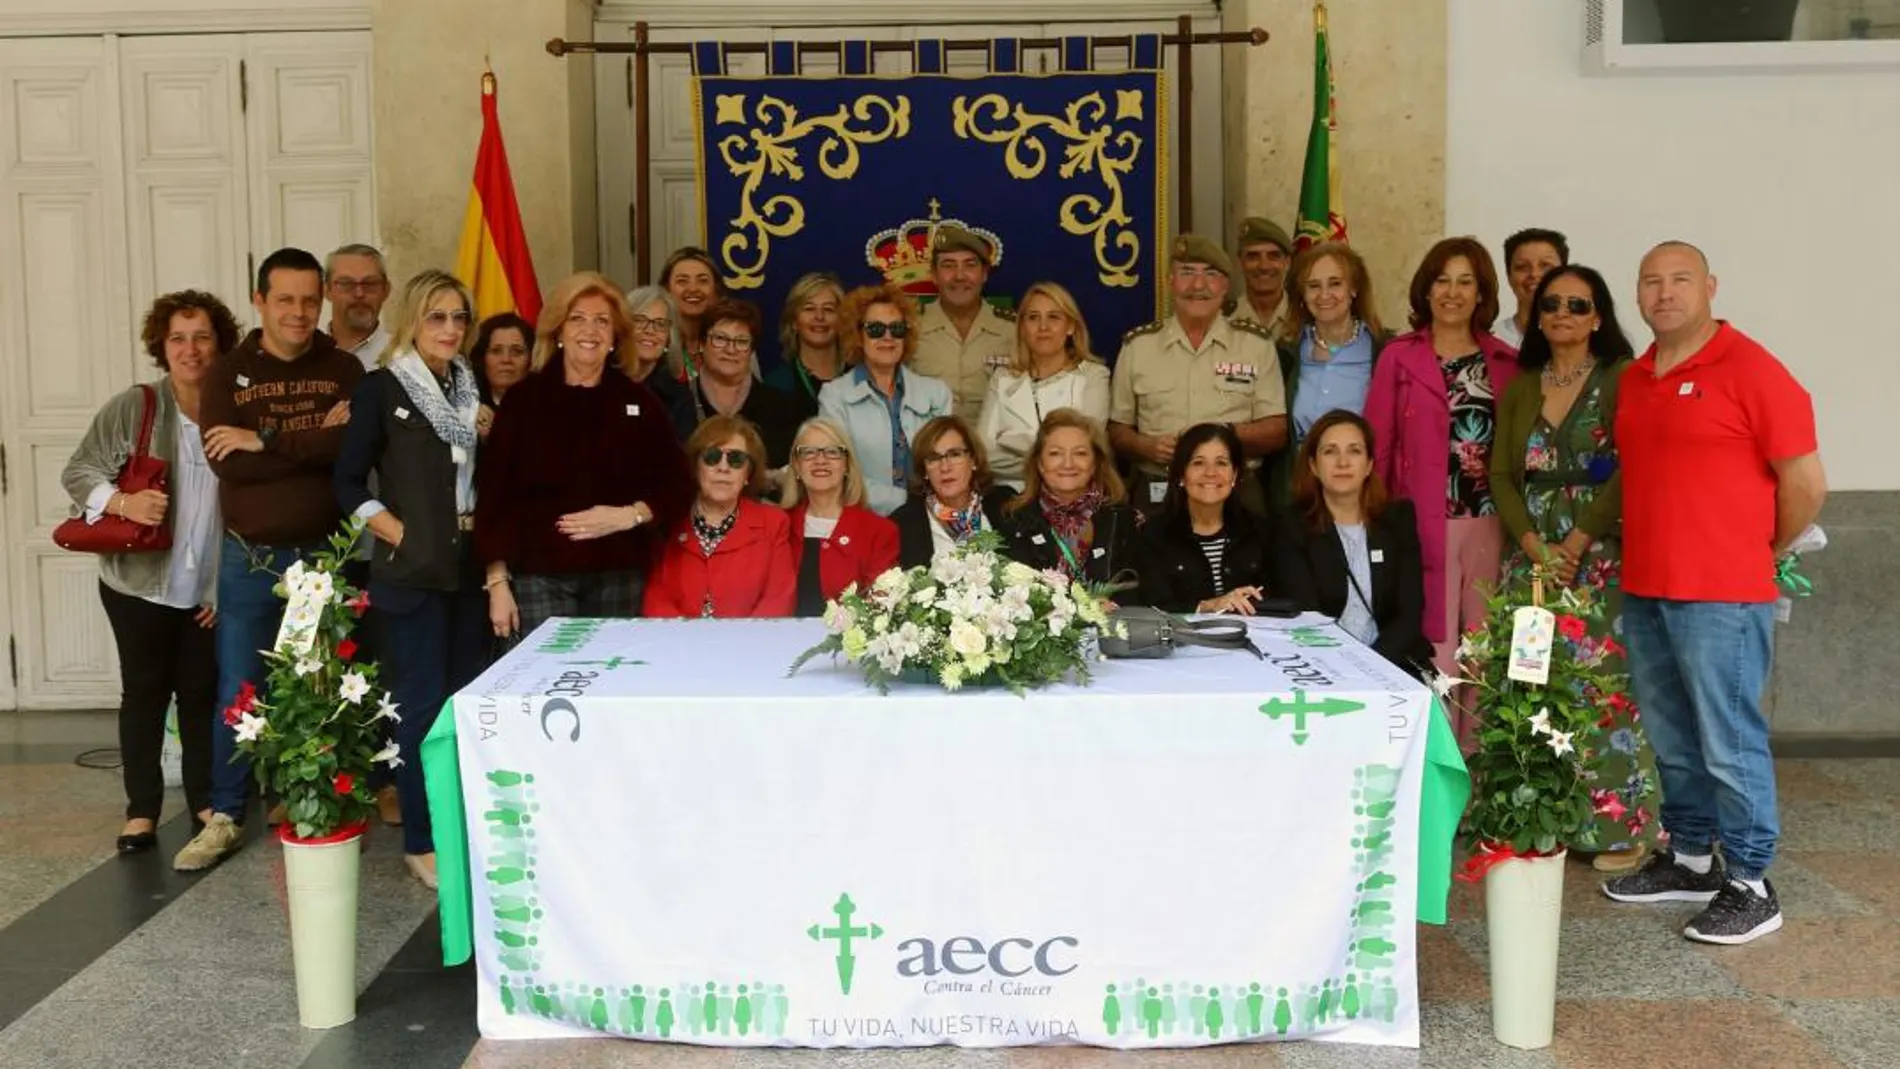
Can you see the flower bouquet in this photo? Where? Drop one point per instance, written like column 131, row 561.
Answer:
column 313, row 743
column 972, row 618
column 1531, row 792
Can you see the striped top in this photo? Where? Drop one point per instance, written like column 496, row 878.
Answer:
column 1214, row 548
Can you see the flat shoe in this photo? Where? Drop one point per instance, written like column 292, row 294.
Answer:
column 422, row 867
column 137, row 843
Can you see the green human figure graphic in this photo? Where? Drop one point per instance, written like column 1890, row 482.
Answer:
column 710, row 1006
column 663, row 1017
column 1326, row 1002
column 1131, row 1004
column 637, row 1004
column 1378, row 880
column 1237, row 1011
column 517, row 960
column 507, row 997
column 742, row 1010
column 504, row 778
column 505, row 874
column 1312, row 637
column 761, row 1009
column 505, row 815
column 1197, row 1010
column 1301, row 706
column 1375, row 810
column 623, row 1013
column 725, row 1012
column 1374, row 911
column 506, row 832
column 598, row 1015
column 1170, row 1014
column 781, row 1009
column 1282, row 1014
column 1256, row 1004
column 695, row 1011
column 1151, row 1013
column 1350, row 1002
column 1112, row 1012
column 1314, row 1014
column 516, row 909
column 1211, row 1016
column 1378, row 781
column 1373, row 952
column 514, row 939
column 1388, row 1000
column 1373, row 841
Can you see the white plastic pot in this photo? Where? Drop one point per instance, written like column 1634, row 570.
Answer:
column 321, row 877
column 1523, row 907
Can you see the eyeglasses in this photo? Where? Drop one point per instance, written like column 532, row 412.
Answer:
column 645, row 323
column 358, row 285
column 1576, row 306
column 948, row 456
column 737, row 343
column 734, row 458
column 439, row 318
column 1198, row 274
column 819, row 452
column 876, row 329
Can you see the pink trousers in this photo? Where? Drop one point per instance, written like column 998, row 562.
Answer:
column 1474, row 554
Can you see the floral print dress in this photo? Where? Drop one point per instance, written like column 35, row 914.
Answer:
column 1474, row 421
column 1564, row 466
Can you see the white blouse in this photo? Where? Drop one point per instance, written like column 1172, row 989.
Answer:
column 1016, row 404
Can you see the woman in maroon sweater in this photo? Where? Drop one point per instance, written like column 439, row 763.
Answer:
column 581, row 469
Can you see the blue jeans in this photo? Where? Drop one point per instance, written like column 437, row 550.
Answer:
column 434, row 643
column 248, row 618
column 1699, row 668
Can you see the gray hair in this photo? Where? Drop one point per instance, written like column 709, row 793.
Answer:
column 637, row 301
column 356, row 249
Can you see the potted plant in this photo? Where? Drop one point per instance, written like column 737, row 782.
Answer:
column 1531, row 793
column 312, row 737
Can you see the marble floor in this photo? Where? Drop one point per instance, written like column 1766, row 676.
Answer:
column 107, row 961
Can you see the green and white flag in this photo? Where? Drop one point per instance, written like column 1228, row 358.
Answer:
column 1322, row 209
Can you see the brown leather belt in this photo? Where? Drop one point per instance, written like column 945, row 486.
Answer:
column 465, row 521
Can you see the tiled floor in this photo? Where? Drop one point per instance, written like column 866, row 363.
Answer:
column 204, row 983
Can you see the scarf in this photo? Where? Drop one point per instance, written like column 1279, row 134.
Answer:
column 960, row 523
column 452, row 417
column 1073, row 524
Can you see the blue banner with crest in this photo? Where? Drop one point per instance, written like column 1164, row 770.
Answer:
column 1064, row 173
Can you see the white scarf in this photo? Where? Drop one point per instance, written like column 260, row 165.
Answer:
column 452, row 416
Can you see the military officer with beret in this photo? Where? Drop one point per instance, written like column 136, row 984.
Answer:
column 963, row 338
column 1266, row 253
column 1196, row 366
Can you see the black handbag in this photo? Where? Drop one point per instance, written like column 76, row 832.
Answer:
column 1148, row 634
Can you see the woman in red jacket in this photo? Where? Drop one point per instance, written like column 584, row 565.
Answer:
column 731, row 556
column 842, row 541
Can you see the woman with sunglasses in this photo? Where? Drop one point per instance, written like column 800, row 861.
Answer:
column 652, row 349
column 581, row 471
column 412, row 428
column 731, row 555
column 880, row 402
column 953, row 497
column 1555, row 477
column 1072, row 516
column 844, row 543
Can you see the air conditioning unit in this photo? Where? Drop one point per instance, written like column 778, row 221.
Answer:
column 1717, row 37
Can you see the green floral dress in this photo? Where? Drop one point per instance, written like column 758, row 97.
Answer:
column 1563, row 468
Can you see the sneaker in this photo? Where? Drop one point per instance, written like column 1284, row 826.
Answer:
column 220, row 839
column 389, row 807
column 1662, row 880
column 1738, row 915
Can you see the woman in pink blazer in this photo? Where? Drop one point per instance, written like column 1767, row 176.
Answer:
column 1433, row 408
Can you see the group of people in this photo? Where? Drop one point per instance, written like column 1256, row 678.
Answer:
column 631, row 454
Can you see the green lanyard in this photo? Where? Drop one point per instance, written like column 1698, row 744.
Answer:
column 1075, row 567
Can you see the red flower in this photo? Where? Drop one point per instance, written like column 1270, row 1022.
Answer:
column 1571, row 627
column 345, row 783
column 1613, row 648
column 1619, row 701
column 246, row 699
column 346, row 649
column 360, row 603
column 232, row 715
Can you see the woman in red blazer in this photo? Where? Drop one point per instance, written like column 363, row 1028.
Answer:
column 731, row 556
column 842, row 541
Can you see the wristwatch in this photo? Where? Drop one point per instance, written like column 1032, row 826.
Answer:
column 267, row 435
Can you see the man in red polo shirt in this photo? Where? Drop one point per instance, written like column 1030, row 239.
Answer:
column 1720, row 473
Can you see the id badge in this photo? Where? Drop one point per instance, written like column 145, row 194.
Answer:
column 1533, row 631
column 1157, row 492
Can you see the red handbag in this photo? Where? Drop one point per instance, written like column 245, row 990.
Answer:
column 116, row 534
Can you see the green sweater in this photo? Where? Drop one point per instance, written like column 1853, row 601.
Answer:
column 1517, row 416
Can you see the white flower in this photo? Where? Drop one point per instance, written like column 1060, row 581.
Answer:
column 309, row 666
column 952, row 676
column 294, row 577
column 1018, row 574
column 249, row 727
column 354, row 687
column 1467, row 649
column 389, row 755
column 966, row 639
column 855, row 641
column 837, row 617
column 891, row 583
column 1442, row 684
column 319, row 588
column 386, row 710
column 1560, row 743
column 1541, row 723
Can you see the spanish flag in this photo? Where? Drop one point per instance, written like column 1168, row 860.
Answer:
column 494, row 259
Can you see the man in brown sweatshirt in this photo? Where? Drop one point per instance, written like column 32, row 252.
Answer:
column 274, row 411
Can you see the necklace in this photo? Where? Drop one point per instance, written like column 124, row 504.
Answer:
column 1325, row 350
column 1558, row 382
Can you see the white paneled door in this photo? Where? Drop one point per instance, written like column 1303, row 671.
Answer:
column 131, row 167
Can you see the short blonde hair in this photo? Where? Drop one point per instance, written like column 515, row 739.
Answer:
column 413, row 304
column 560, row 304
column 794, row 490
column 1107, row 479
column 713, row 434
column 809, row 285
column 859, row 301
column 1079, row 350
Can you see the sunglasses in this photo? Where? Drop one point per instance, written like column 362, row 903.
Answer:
column 815, row 452
column 734, row 458
column 1576, row 306
column 439, row 318
column 876, row 329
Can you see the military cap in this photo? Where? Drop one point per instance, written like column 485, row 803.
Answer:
column 1195, row 249
column 953, row 238
column 1256, row 229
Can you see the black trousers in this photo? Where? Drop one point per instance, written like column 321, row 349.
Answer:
column 162, row 652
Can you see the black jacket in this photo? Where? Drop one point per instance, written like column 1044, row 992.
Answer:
column 914, row 544
column 1174, row 571
column 1310, row 568
column 415, row 480
column 1027, row 537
